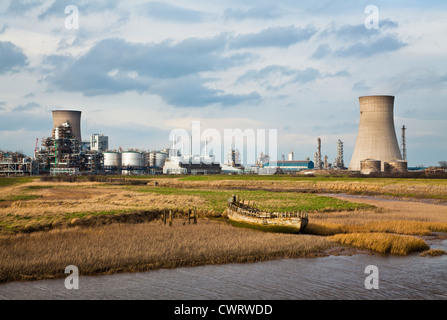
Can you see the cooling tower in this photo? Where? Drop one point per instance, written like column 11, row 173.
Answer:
column 70, row 116
column 376, row 138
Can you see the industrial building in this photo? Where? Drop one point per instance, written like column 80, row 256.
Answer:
column 376, row 145
column 99, row 142
column 177, row 167
column 290, row 166
column 62, row 153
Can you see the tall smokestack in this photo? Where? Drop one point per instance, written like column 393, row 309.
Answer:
column 70, row 116
column 376, row 138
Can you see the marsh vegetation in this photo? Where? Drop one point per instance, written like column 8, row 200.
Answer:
column 105, row 226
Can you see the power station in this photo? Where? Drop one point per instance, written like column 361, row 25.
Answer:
column 69, row 116
column 376, row 146
column 376, row 150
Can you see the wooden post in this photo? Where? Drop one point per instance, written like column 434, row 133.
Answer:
column 195, row 217
column 170, row 218
column 189, row 216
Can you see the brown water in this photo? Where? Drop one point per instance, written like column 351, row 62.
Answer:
column 333, row 277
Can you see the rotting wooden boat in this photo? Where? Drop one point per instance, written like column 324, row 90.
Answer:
column 240, row 211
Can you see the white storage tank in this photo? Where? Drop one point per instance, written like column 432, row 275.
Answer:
column 134, row 159
column 160, row 158
column 112, row 159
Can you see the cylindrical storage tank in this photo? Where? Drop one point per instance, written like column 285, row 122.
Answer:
column 112, row 159
column 132, row 159
column 72, row 117
column 376, row 138
column 160, row 158
column 398, row 166
column 368, row 166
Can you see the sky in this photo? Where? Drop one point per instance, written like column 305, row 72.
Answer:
column 140, row 69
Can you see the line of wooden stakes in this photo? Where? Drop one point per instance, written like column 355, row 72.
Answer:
column 168, row 217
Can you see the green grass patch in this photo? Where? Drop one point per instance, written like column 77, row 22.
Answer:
column 216, row 199
column 9, row 181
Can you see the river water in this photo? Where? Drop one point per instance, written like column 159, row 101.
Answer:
column 332, row 277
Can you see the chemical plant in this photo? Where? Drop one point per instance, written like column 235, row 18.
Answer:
column 64, row 152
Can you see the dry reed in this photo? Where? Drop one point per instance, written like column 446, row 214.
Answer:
column 146, row 246
column 382, row 242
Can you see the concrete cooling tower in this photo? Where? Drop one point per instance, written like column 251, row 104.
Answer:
column 376, row 138
column 70, row 116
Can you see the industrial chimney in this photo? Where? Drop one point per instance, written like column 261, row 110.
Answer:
column 376, row 138
column 70, row 116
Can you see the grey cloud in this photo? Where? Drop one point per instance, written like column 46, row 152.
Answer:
column 266, row 76
column 267, row 72
column 360, row 86
column 24, row 120
column 26, row 107
column 19, row 8
column 273, row 37
column 11, row 57
column 359, row 31
column 419, row 79
column 165, row 11
column 265, row 12
column 381, row 45
column 4, row 28
column 306, row 75
column 170, row 70
column 322, row 51
column 192, row 91
column 29, row 95
column 57, row 8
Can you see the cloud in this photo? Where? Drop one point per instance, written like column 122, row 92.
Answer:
column 27, row 107
column 113, row 66
column 275, row 77
column 361, row 86
column 13, row 121
column 168, row 12
column 11, row 57
column 57, row 8
column 273, row 37
column 191, row 91
column 358, row 32
column 417, row 79
column 264, row 12
column 19, row 8
column 322, row 51
column 381, row 45
column 4, row 28
column 358, row 41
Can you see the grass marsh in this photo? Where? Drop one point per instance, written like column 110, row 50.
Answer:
column 116, row 227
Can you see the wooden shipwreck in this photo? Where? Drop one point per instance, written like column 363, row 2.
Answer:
column 240, row 211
